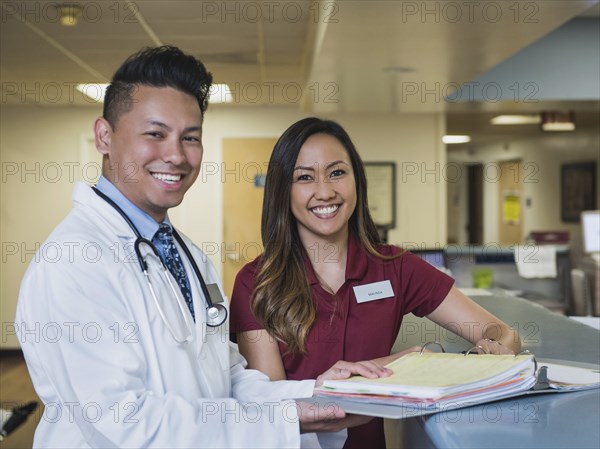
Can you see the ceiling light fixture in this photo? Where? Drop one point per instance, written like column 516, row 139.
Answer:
column 93, row 91
column 530, row 119
column 220, row 93
column 451, row 140
column 558, row 121
column 69, row 13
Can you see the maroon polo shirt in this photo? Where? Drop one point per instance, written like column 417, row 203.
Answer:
column 345, row 329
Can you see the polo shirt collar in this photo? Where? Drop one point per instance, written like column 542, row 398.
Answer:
column 356, row 261
column 310, row 271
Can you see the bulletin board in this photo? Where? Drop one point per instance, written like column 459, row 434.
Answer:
column 578, row 189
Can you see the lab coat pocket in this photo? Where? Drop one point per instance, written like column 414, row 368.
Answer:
column 215, row 353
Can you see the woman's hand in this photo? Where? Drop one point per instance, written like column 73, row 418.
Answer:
column 343, row 370
column 463, row 316
column 487, row 346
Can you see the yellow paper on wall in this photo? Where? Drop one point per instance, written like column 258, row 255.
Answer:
column 512, row 208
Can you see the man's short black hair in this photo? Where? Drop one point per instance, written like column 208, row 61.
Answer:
column 165, row 66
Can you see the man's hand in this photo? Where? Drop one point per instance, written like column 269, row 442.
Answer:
column 343, row 370
column 331, row 418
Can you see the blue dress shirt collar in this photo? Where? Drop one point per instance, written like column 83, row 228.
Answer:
column 145, row 224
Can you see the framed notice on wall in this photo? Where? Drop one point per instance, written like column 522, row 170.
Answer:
column 511, row 207
column 577, row 189
column 381, row 193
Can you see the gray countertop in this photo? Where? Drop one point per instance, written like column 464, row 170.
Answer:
column 553, row 420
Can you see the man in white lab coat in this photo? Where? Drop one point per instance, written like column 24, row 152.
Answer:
column 119, row 363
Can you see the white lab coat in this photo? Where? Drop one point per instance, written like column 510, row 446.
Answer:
column 107, row 369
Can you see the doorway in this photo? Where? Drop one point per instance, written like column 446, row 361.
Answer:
column 244, row 170
column 475, row 204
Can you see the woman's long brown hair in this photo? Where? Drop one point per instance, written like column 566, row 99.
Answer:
column 282, row 300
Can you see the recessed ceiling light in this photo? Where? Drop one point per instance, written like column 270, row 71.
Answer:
column 449, row 140
column 94, row 91
column 530, row 119
column 220, row 93
column 69, row 13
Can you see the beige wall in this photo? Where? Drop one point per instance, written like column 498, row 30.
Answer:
column 408, row 140
column 43, row 152
column 40, row 159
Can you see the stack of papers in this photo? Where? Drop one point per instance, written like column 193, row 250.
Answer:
column 439, row 380
column 433, row 378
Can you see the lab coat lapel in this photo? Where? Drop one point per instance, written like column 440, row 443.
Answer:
column 84, row 196
column 208, row 349
column 211, row 350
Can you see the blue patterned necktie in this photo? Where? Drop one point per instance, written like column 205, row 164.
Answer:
column 163, row 239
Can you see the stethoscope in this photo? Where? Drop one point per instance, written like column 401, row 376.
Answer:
column 216, row 314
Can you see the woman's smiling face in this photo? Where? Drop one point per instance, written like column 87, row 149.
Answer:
column 323, row 195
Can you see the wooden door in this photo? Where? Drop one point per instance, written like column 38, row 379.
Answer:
column 244, row 169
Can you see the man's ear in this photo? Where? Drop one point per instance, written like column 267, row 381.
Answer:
column 103, row 135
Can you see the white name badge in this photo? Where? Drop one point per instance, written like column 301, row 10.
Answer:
column 371, row 292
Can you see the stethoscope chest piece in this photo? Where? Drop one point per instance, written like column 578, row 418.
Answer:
column 216, row 313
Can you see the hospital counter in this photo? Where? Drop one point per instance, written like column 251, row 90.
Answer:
column 554, row 293
column 554, row 420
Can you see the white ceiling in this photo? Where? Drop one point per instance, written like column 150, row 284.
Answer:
column 434, row 45
column 241, row 44
column 346, row 56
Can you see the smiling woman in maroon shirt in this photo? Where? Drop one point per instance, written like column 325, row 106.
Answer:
column 326, row 289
